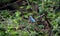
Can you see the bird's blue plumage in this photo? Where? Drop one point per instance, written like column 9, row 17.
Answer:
column 32, row 19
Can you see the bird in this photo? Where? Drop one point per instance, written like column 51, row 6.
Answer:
column 32, row 19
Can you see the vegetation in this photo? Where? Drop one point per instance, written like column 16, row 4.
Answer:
column 30, row 18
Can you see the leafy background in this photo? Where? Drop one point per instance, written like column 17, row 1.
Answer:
column 14, row 21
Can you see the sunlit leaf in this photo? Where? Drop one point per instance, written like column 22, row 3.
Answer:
column 28, row 7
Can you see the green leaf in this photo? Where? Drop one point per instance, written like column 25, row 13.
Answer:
column 41, row 26
column 22, row 7
column 33, row 33
column 26, row 16
column 17, row 13
column 31, row 0
column 28, row 7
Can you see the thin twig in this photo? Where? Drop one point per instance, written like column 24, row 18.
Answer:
column 29, row 5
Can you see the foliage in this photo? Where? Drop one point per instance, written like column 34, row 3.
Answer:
column 17, row 23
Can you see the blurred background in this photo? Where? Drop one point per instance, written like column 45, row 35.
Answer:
column 29, row 17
